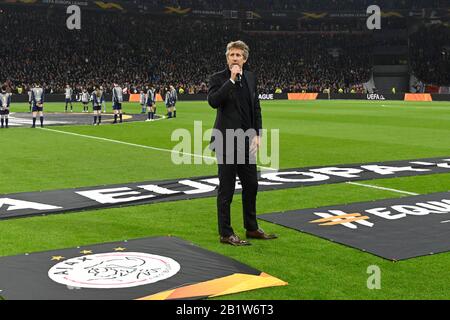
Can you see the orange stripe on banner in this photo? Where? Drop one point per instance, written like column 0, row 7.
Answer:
column 135, row 97
column 418, row 97
column 302, row 96
column 227, row 285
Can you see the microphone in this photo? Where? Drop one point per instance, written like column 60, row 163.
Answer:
column 239, row 79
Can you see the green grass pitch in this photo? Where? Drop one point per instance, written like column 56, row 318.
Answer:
column 311, row 134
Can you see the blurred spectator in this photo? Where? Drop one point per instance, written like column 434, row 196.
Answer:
column 430, row 54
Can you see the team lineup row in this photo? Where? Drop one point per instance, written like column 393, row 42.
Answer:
column 97, row 98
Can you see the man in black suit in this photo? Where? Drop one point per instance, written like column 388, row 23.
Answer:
column 235, row 139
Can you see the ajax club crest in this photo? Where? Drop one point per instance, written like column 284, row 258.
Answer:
column 113, row 270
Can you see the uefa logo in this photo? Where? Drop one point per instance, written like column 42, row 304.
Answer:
column 113, row 270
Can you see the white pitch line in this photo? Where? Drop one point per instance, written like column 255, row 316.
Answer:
column 140, row 146
column 157, row 119
column 382, row 188
column 445, row 221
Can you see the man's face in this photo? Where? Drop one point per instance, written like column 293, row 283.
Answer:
column 236, row 56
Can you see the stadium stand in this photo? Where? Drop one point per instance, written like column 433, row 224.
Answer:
column 297, row 5
column 165, row 51
column 430, row 54
column 134, row 50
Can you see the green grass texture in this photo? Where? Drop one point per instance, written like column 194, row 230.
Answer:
column 311, row 133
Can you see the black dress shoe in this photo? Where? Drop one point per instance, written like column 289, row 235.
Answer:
column 234, row 240
column 260, row 234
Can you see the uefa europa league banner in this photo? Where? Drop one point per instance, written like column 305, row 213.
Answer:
column 88, row 198
column 394, row 229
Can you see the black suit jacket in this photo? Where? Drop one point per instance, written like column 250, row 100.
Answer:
column 222, row 96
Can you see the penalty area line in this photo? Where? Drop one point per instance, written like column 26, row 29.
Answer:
column 139, row 145
column 382, row 188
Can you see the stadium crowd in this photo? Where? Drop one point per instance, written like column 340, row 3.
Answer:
column 430, row 54
column 296, row 4
column 135, row 50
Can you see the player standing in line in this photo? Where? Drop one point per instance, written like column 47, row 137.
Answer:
column 5, row 101
column 85, row 100
column 103, row 99
column 117, row 99
column 174, row 100
column 142, row 100
column 151, row 103
column 171, row 99
column 37, row 99
column 97, row 99
column 167, row 101
column 69, row 93
column 155, row 92
column 29, row 98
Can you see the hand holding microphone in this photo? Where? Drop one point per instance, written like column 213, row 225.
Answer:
column 239, row 79
column 236, row 75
